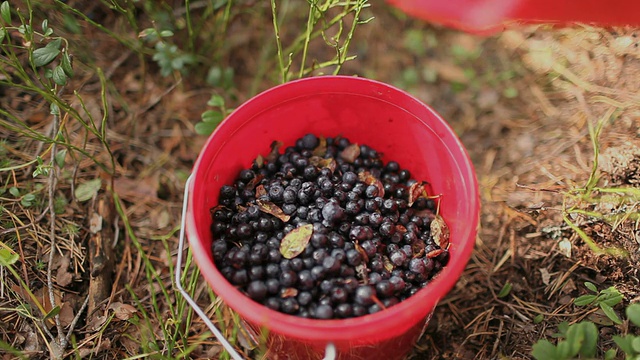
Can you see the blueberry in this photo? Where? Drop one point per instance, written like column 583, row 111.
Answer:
column 364, row 295
column 310, row 141
column 257, row 290
column 324, row 312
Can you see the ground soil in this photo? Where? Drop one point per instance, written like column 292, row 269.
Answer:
column 521, row 111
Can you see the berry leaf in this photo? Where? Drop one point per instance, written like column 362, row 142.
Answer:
column 8, row 257
column 205, row 128
column 440, row 232
column 350, row 153
column 584, row 300
column 321, row 149
column 591, row 286
column 59, row 77
column 416, row 190
column 88, row 190
column 624, row 343
column 590, row 344
column 633, row 314
column 3, row 32
column 66, row 64
column 273, row 209
column 5, row 11
column 611, row 314
column 216, row 101
column 544, row 350
column 369, row 179
column 45, row 55
column 294, row 243
column 506, row 289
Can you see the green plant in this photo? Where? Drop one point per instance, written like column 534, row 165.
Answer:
column 605, row 299
column 167, row 55
column 580, row 340
column 213, row 117
column 630, row 344
column 320, row 23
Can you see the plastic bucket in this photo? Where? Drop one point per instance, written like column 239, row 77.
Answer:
column 367, row 112
column 490, row 16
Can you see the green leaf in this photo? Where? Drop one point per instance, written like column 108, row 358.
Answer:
column 54, row 109
column 506, row 289
column 564, row 350
column 88, row 190
column 563, row 328
column 584, row 300
column 45, row 55
column 66, row 64
column 633, row 314
column 590, row 344
column 3, row 33
column 538, row 319
column 166, row 33
column 544, row 350
column 624, row 343
column 205, row 128
column 8, row 257
column 212, row 116
column 575, row 339
column 294, row 243
column 611, row 314
column 611, row 296
column 55, row 311
column 591, row 286
column 60, row 156
column 216, row 101
column 14, row 191
column 59, row 77
column 610, row 354
column 635, row 344
column 5, row 11
column 45, row 25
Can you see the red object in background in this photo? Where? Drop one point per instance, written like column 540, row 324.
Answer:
column 367, row 112
column 486, row 16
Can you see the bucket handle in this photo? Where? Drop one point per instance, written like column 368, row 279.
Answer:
column 330, row 350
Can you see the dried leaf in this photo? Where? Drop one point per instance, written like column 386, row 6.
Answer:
column 122, row 311
column 365, row 257
column 401, row 229
column 434, row 253
column 289, row 292
column 259, row 161
column 350, row 153
column 255, row 181
column 417, row 190
column 260, row 191
column 387, row 263
column 294, row 243
column 323, row 163
column 321, row 149
column 241, row 208
column 273, row 209
column 440, row 232
column 367, row 178
column 418, row 249
column 361, row 270
column 275, row 151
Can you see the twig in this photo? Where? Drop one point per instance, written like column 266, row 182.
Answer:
column 75, row 321
column 52, row 234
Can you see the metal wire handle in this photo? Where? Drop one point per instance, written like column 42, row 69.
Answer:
column 330, row 351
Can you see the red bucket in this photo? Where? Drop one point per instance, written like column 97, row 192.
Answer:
column 364, row 111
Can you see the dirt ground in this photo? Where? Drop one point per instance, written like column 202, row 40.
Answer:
column 522, row 102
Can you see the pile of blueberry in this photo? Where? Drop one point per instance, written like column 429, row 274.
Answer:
column 369, row 240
